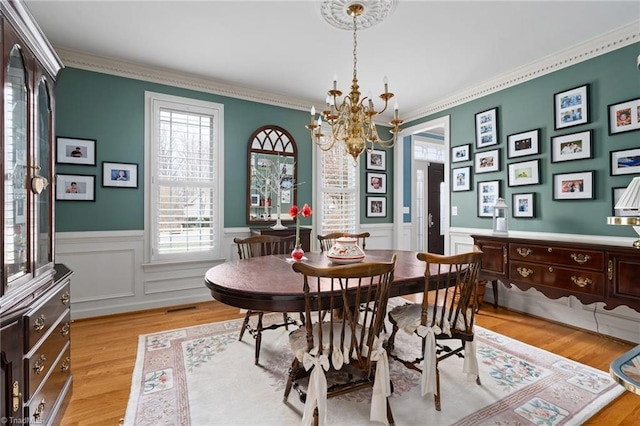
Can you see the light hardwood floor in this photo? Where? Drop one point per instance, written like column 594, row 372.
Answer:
column 103, row 352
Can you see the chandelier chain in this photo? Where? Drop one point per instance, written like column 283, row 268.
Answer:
column 355, row 47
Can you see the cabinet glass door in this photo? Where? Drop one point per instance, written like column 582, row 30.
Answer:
column 16, row 209
column 40, row 182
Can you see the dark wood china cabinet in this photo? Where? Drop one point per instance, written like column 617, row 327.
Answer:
column 35, row 363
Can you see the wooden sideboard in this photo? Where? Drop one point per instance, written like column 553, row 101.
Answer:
column 590, row 272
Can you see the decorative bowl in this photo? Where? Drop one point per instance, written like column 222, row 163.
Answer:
column 345, row 251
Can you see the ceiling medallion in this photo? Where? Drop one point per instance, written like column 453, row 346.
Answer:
column 335, row 12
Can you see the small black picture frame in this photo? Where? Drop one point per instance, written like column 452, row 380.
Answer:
column 571, row 107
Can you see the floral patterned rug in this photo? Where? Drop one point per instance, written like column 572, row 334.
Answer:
column 204, row 376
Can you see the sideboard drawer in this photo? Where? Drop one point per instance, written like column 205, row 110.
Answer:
column 572, row 257
column 40, row 408
column 575, row 280
column 40, row 361
column 43, row 316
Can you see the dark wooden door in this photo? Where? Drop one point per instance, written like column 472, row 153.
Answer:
column 435, row 177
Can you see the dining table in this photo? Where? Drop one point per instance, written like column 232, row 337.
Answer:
column 269, row 283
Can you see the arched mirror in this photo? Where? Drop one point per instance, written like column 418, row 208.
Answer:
column 272, row 176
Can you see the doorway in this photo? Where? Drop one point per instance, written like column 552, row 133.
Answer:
column 428, row 184
column 406, row 223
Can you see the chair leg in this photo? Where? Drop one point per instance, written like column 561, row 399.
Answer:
column 292, row 375
column 389, row 414
column 436, row 396
column 392, row 337
column 258, row 336
column 285, row 317
column 245, row 323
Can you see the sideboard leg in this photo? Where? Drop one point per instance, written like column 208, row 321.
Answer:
column 494, row 286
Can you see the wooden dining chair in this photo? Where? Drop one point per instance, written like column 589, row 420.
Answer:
column 346, row 341
column 447, row 312
column 328, row 240
column 263, row 245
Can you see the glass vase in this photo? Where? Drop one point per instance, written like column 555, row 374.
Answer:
column 297, row 253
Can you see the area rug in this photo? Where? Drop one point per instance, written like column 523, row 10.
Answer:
column 204, row 376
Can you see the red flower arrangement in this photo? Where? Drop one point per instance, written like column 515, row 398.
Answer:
column 294, row 212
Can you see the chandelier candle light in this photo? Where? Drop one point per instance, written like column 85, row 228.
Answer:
column 351, row 120
column 295, row 213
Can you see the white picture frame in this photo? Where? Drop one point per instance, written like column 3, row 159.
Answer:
column 461, row 153
column 487, row 128
column 487, row 161
column 119, row 175
column 75, row 187
column 75, row 151
column 488, row 193
column 574, row 146
column 523, row 144
column 461, row 179
column 377, row 160
column 376, row 183
column 573, row 186
column 376, row 206
column 524, row 173
column 571, row 107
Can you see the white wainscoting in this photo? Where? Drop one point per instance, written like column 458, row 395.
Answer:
column 110, row 276
column 621, row 322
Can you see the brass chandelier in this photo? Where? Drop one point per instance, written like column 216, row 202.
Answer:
column 351, row 119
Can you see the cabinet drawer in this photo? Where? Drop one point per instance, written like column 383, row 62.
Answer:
column 41, row 318
column 572, row 257
column 40, row 407
column 41, row 360
column 571, row 279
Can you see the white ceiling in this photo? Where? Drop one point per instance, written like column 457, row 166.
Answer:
column 428, row 49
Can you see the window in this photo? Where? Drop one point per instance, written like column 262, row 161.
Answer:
column 337, row 208
column 184, row 178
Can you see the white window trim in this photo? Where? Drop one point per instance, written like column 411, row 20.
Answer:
column 150, row 99
column 317, row 192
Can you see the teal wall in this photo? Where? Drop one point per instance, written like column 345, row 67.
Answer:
column 110, row 109
column 612, row 77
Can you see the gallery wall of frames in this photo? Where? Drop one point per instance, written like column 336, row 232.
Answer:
column 572, row 139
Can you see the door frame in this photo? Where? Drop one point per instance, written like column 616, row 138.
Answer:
column 399, row 175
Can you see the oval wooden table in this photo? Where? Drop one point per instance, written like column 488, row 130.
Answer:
column 268, row 283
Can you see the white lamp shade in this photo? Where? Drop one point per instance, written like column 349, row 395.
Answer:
column 630, row 199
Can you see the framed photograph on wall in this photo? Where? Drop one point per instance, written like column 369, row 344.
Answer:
column 75, row 187
column 625, row 162
column 524, row 173
column 576, row 146
column 377, row 160
column 624, row 116
column 571, row 107
column 522, row 144
column 376, row 207
column 616, row 193
column 119, row 175
column 488, row 193
column 487, row 128
column 523, row 205
column 573, row 186
column 461, row 153
column 487, row 161
column 461, row 178
column 76, row 151
column 376, row 183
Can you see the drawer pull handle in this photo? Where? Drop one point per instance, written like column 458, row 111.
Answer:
column 39, row 412
column 525, row 272
column 16, row 395
column 580, row 258
column 610, row 270
column 551, row 269
column 65, row 329
column 581, row 281
column 65, row 298
column 524, row 252
column 65, row 365
column 38, row 324
column 38, row 366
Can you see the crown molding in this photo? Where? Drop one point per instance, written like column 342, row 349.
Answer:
column 589, row 49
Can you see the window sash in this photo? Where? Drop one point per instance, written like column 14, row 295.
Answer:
column 186, row 179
